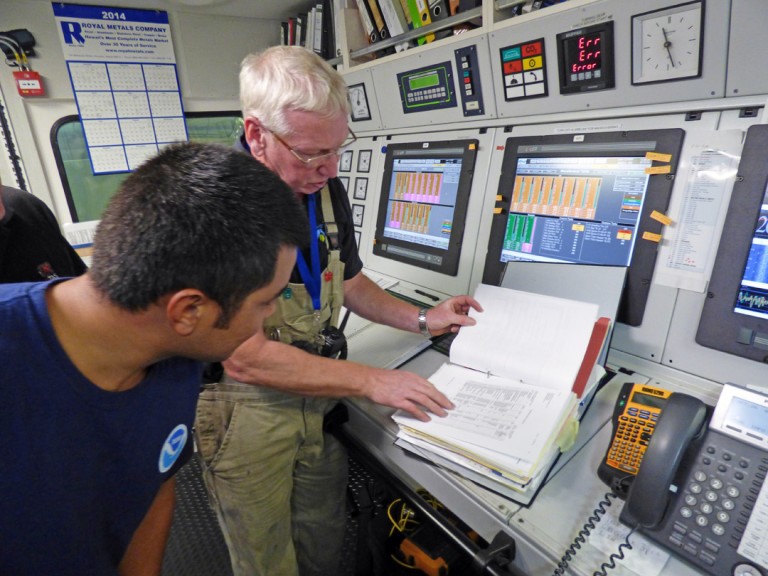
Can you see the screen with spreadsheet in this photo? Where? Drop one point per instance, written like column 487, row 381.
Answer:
column 575, row 209
column 585, row 199
column 423, row 203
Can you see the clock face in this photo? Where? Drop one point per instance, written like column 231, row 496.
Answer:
column 667, row 44
column 359, row 102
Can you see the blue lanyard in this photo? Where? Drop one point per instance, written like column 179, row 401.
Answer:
column 311, row 280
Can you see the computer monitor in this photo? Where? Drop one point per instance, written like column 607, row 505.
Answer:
column 734, row 318
column 585, row 198
column 423, row 203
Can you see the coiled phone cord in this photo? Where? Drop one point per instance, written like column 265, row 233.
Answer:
column 618, row 555
column 585, row 531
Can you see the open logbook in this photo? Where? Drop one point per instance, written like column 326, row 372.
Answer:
column 517, row 379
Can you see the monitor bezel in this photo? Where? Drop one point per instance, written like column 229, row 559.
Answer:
column 643, row 261
column 720, row 327
column 451, row 256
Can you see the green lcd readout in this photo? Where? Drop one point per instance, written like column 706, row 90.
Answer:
column 425, row 81
column 427, row 88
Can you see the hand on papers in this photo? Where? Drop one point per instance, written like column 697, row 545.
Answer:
column 276, row 365
column 408, row 392
column 452, row 314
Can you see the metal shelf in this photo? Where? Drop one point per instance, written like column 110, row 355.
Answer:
column 448, row 22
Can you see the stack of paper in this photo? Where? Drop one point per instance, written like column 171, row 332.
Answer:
column 516, row 378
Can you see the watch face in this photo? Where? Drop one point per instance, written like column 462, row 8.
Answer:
column 359, row 102
column 667, row 44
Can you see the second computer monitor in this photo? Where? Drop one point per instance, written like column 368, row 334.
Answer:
column 423, row 203
column 734, row 317
column 585, row 198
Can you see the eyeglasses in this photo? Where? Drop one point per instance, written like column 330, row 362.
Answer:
column 308, row 159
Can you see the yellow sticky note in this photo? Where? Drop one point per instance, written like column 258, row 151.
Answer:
column 663, row 218
column 658, row 156
column 497, row 210
column 499, row 198
column 651, row 236
column 567, row 437
column 665, row 169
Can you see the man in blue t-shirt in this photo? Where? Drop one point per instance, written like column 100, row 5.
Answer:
column 101, row 372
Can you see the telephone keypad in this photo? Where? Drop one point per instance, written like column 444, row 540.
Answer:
column 717, row 499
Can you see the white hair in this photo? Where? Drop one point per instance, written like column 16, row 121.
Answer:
column 283, row 78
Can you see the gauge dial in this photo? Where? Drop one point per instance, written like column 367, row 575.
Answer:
column 364, row 161
column 359, row 102
column 345, row 162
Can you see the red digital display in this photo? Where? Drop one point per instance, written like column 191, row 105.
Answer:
column 584, row 53
column 588, row 53
column 586, row 58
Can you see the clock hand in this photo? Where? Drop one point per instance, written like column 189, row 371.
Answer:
column 667, row 44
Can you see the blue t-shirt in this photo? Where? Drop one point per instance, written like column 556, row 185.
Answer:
column 79, row 466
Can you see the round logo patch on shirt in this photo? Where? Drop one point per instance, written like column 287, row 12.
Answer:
column 172, row 448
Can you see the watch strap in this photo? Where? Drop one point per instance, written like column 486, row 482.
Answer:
column 423, row 328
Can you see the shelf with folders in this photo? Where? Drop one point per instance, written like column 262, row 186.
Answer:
column 437, row 26
column 358, row 47
column 313, row 28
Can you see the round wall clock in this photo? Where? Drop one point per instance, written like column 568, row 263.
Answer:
column 667, row 43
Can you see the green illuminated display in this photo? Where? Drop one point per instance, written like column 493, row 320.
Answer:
column 425, row 81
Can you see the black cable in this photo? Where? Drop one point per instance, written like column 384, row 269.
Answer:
column 420, row 506
column 13, row 156
column 619, row 555
column 585, row 531
column 344, row 320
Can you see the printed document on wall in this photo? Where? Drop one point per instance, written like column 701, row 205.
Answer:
column 122, row 69
column 704, row 181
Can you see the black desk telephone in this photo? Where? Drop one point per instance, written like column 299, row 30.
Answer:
column 698, row 490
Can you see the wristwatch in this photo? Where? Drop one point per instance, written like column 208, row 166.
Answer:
column 423, row 328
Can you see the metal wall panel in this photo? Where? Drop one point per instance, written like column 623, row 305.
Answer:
column 711, row 84
column 388, row 88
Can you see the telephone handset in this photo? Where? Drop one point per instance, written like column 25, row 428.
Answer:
column 681, row 422
column 700, row 489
